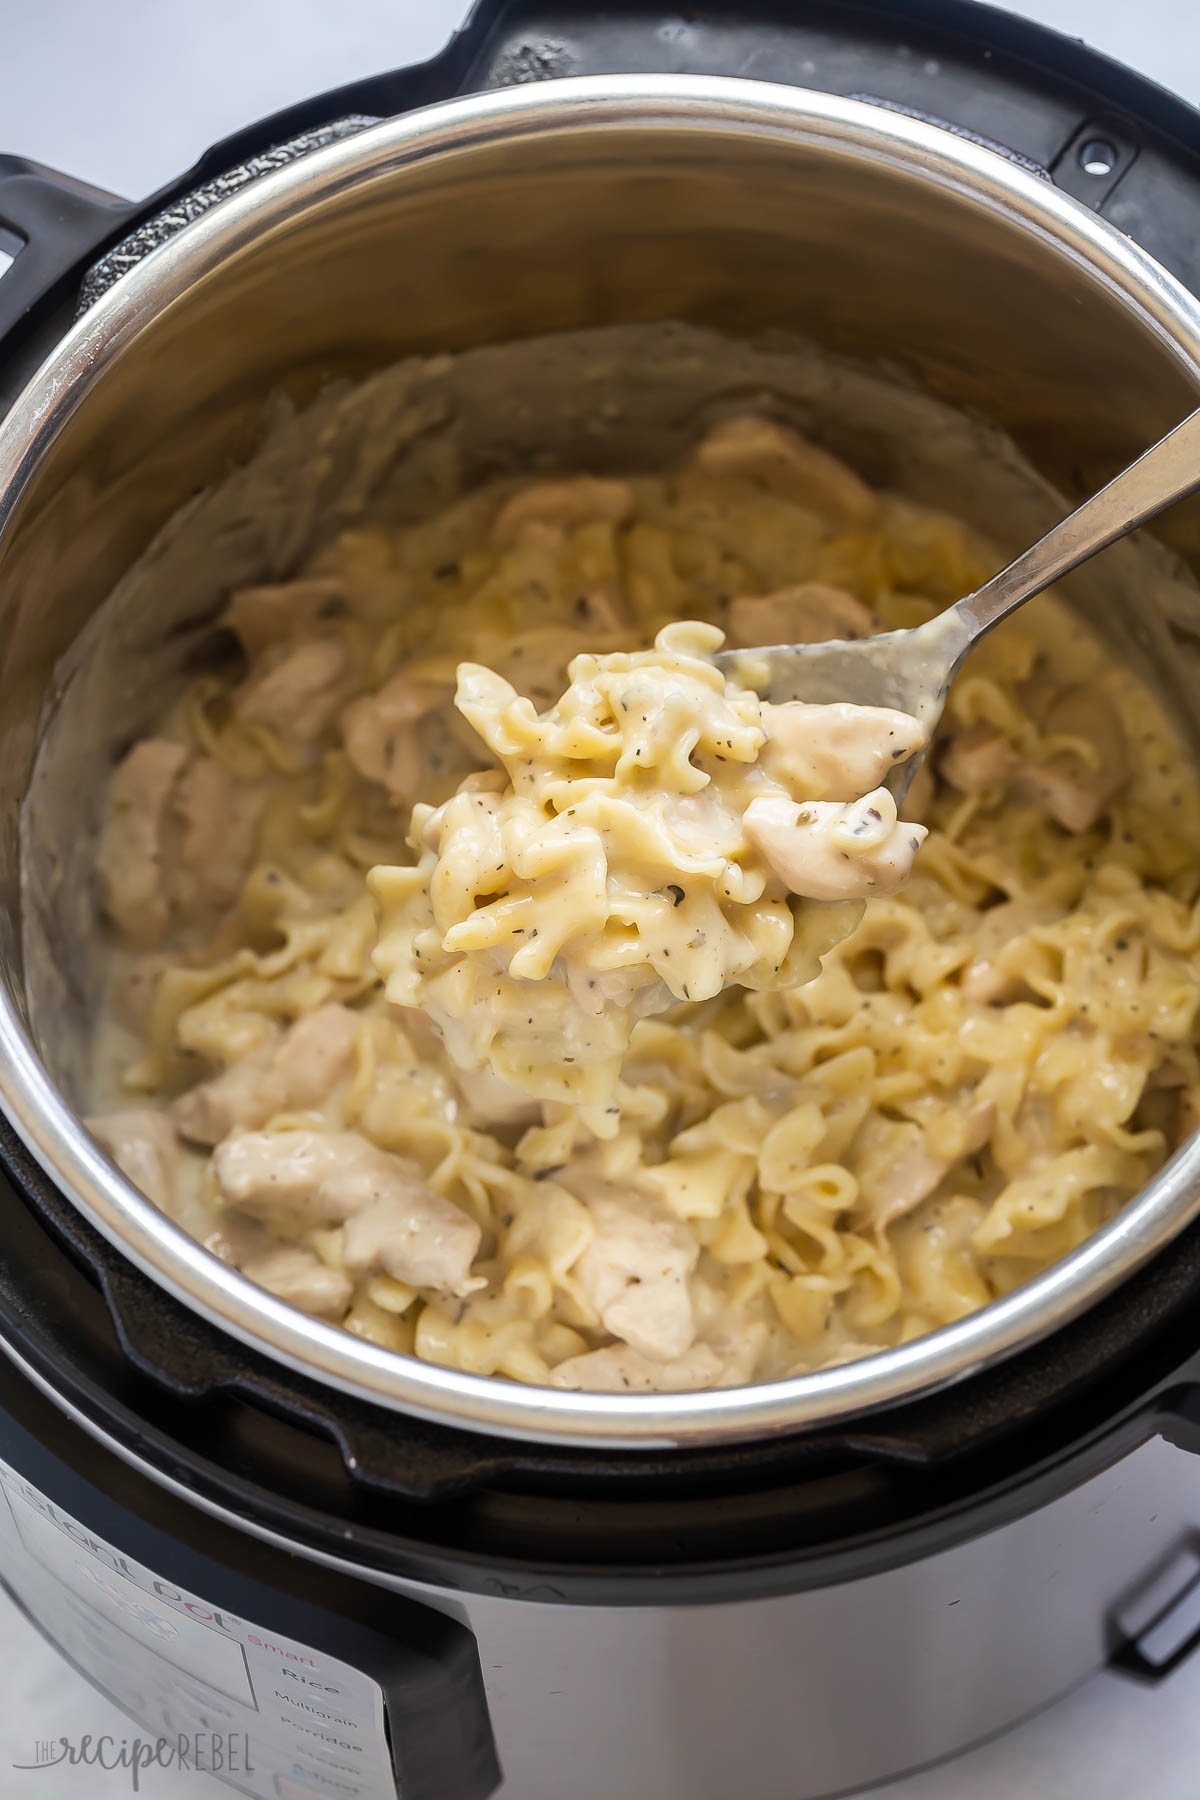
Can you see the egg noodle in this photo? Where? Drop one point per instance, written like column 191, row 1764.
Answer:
column 653, row 836
column 775, row 1177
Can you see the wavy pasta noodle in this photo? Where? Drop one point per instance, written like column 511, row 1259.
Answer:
column 451, row 790
column 657, row 835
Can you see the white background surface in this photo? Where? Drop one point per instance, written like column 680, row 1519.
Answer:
column 126, row 93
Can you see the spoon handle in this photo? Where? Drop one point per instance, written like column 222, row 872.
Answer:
column 1168, row 471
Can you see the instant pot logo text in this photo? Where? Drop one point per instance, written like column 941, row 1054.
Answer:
column 112, row 1559
column 145, row 1616
column 225, row 1754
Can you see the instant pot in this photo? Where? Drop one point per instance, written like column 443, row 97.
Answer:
column 385, row 1578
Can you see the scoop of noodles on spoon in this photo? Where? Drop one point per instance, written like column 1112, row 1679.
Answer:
column 911, row 671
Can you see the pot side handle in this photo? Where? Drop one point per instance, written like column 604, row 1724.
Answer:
column 1164, row 1630
column 1158, row 1650
column 1155, row 1627
column 50, row 224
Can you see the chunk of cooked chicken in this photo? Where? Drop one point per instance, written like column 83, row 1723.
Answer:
column 976, row 758
column 130, row 854
column 178, row 838
column 313, row 1178
column 315, row 1054
column 491, row 1102
column 290, row 1178
column 777, row 458
column 381, row 736
column 573, row 501
column 298, row 1276
column 298, row 691
column 827, row 850
column 1074, row 789
column 212, row 1109
column 217, row 821
column 635, row 1271
column 294, row 1070
column 810, row 613
column 988, row 979
column 837, row 751
column 896, row 1168
column 260, row 616
column 144, row 1147
column 132, row 988
column 620, row 1369
column 416, row 1236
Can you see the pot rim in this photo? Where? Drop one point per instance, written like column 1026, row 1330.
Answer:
column 54, row 1134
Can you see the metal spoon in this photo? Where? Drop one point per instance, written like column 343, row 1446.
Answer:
column 912, row 670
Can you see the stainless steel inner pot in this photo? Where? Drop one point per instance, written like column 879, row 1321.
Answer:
column 738, row 205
